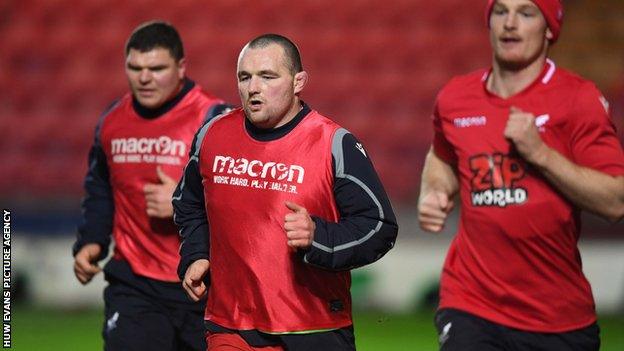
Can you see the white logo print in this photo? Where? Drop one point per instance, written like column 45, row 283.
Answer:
column 473, row 121
column 163, row 150
column 257, row 174
column 111, row 323
column 162, row 145
column 257, row 169
column 361, row 148
column 445, row 333
column 540, row 121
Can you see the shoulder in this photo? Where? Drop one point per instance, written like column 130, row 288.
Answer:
column 233, row 117
column 219, row 123
column 461, row 85
column 584, row 93
column 328, row 129
column 566, row 80
column 314, row 117
column 209, row 105
column 117, row 105
column 115, row 108
column 339, row 136
column 204, row 96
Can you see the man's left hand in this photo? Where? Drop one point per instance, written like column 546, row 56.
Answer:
column 524, row 134
column 299, row 227
column 158, row 196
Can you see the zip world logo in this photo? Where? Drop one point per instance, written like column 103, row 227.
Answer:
column 494, row 180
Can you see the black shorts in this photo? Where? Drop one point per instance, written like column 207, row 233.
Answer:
column 342, row 339
column 458, row 330
column 135, row 321
column 333, row 340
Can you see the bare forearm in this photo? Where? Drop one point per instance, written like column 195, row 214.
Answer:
column 439, row 185
column 586, row 188
column 438, row 175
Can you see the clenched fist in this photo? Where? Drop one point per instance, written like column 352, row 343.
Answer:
column 193, row 282
column 85, row 262
column 299, row 226
column 433, row 208
column 524, row 134
column 158, row 196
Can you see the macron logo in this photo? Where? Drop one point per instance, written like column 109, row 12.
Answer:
column 361, row 148
column 162, row 145
column 472, row 121
column 445, row 333
column 111, row 323
column 258, row 169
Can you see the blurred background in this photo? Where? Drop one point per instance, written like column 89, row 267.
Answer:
column 375, row 68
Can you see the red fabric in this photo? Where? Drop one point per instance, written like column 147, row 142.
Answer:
column 233, row 342
column 551, row 9
column 515, row 259
column 134, row 146
column 258, row 281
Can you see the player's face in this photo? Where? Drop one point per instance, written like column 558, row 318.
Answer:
column 518, row 33
column 267, row 87
column 154, row 76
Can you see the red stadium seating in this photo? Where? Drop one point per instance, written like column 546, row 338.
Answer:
column 375, row 66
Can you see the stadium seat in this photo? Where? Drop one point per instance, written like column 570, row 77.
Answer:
column 375, row 66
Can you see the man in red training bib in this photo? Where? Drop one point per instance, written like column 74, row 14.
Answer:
column 527, row 145
column 140, row 149
column 277, row 204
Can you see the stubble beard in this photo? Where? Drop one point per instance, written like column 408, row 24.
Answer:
column 518, row 64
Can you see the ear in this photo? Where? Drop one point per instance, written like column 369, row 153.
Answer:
column 182, row 68
column 300, row 81
column 549, row 34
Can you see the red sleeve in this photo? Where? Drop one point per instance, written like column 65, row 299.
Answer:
column 594, row 142
column 441, row 146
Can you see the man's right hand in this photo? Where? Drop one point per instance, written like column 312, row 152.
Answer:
column 433, row 208
column 85, row 262
column 193, row 281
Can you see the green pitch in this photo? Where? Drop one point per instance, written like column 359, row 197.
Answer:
column 53, row 330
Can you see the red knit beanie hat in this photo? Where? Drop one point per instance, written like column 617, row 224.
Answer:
column 551, row 9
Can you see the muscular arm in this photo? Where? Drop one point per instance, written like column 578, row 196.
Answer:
column 367, row 227
column 589, row 189
column 438, row 176
column 439, row 184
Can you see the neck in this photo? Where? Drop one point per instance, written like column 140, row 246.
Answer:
column 185, row 86
column 506, row 82
column 263, row 134
column 292, row 112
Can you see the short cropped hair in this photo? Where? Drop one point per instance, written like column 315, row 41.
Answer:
column 156, row 34
column 292, row 53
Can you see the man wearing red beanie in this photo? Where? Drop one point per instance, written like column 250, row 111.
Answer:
column 527, row 146
column 552, row 10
